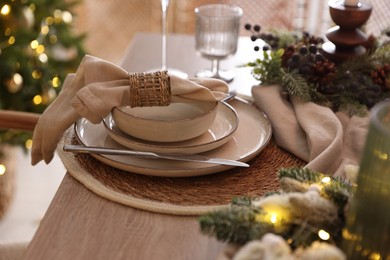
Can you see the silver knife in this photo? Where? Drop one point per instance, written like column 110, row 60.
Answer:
column 180, row 157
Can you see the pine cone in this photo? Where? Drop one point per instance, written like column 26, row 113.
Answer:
column 381, row 76
column 288, row 52
column 323, row 72
column 308, row 39
column 371, row 43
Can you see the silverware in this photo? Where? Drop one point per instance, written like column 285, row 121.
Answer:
column 234, row 96
column 179, row 157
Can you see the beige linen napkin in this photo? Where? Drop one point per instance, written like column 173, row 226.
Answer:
column 94, row 90
column 326, row 140
column 96, row 100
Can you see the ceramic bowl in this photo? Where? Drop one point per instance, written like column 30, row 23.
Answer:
column 173, row 123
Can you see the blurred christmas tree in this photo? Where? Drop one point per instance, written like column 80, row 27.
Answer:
column 37, row 50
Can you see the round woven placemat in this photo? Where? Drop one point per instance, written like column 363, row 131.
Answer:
column 179, row 196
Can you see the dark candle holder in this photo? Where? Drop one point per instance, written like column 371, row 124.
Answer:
column 346, row 39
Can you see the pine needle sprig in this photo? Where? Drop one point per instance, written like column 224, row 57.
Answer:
column 296, row 85
column 267, row 69
column 337, row 190
column 300, row 174
column 318, row 97
column 382, row 54
column 350, row 105
column 354, row 66
column 235, row 224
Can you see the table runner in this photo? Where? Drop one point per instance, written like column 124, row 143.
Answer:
column 177, row 196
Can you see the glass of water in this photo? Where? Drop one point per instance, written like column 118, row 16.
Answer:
column 217, row 31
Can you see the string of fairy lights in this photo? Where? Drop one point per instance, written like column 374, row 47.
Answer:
column 37, row 46
column 33, row 35
column 279, row 216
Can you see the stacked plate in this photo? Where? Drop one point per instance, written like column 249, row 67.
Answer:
column 239, row 132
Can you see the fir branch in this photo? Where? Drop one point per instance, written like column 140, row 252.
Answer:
column 296, row 85
column 356, row 65
column 350, row 105
column 364, row 63
column 300, row 174
column 285, row 38
column 382, row 54
column 241, row 201
column 318, row 97
column 339, row 191
column 302, row 234
column 267, row 70
column 236, row 224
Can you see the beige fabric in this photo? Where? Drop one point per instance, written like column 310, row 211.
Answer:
column 94, row 90
column 326, row 140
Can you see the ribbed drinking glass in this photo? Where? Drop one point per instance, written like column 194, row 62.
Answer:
column 217, row 32
column 367, row 234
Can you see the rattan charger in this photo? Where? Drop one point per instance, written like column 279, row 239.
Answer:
column 178, row 196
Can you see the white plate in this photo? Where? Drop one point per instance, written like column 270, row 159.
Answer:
column 251, row 136
column 221, row 131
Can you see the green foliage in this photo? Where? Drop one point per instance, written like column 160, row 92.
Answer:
column 381, row 55
column 285, row 38
column 301, row 174
column 267, row 69
column 337, row 189
column 29, row 70
column 350, row 105
column 296, row 85
column 301, row 68
column 244, row 221
column 235, row 224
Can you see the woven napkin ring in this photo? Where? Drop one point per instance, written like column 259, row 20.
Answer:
column 150, row 89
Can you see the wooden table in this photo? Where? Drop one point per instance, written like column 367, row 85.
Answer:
column 82, row 225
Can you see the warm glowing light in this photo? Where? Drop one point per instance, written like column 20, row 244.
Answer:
column 49, row 20
column 358, row 248
column 5, row 10
column 57, row 13
column 51, row 95
column 67, row 17
column 32, row 7
column 53, row 39
column 381, row 155
column 18, row 79
column 36, row 74
column 45, row 29
column 57, row 16
column 37, row 99
column 273, row 217
column 350, row 236
column 11, row 40
column 34, row 44
column 8, row 31
column 323, row 234
column 40, row 49
column 43, row 58
column 325, row 179
column 15, row 84
column 375, row 256
column 55, row 82
column 28, row 143
column 3, row 169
